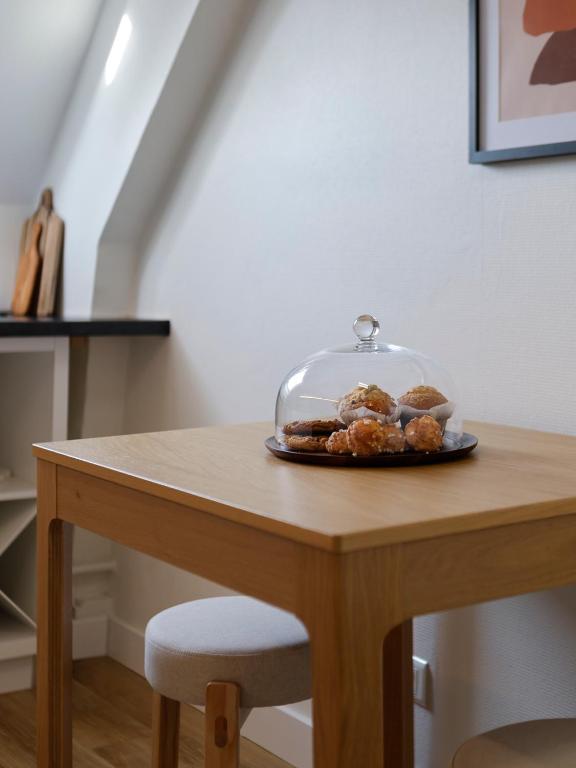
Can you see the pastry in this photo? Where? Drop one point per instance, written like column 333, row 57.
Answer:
column 422, row 398
column 424, row 434
column 338, row 442
column 422, row 401
column 367, row 401
column 371, row 397
column 306, row 443
column 313, row 427
column 394, row 439
column 367, row 437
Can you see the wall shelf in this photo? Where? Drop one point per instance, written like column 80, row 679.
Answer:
column 18, row 639
column 15, row 488
column 14, row 519
column 11, row 326
column 18, row 577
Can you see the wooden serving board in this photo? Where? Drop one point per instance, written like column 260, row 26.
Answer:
column 28, row 271
column 51, row 266
column 22, row 259
column 42, row 301
column 450, row 452
column 40, row 215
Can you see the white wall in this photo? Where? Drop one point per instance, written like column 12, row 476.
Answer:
column 103, row 128
column 330, row 178
column 41, row 48
column 193, row 76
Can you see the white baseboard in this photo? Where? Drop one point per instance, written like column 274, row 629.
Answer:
column 283, row 732
column 126, row 644
column 17, row 674
column 280, row 730
column 89, row 637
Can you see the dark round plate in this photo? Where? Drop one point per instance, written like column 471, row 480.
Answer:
column 448, row 453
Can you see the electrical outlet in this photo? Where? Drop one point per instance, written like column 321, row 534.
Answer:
column 421, row 674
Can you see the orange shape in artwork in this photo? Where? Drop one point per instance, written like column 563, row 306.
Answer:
column 542, row 16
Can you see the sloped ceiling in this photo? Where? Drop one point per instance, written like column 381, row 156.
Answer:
column 42, row 45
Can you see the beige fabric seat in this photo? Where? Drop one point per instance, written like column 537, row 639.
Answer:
column 236, row 639
column 227, row 653
column 534, row 744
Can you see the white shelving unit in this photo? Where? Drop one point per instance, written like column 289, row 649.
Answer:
column 34, row 376
column 33, row 407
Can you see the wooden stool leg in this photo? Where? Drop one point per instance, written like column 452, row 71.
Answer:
column 222, row 725
column 165, row 732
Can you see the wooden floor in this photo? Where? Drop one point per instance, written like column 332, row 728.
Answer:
column 112, row 717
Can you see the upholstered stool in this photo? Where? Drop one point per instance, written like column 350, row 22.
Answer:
column 535, row 744
column 230, row 654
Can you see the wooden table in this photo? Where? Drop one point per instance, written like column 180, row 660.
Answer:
column 355, row 553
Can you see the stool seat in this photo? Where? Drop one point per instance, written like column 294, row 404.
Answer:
column 534, row 744
column 262, row 649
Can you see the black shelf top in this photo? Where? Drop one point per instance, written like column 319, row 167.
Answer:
column 63, row 326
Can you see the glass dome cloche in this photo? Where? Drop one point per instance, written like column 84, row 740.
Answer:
column 369, row 400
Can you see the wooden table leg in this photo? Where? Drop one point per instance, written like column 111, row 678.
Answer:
column 361, row 666
column 54, row 639
column 399, row 697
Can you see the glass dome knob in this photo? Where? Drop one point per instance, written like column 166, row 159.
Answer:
column 366, row 327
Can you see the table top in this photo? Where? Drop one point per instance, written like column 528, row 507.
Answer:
column 514, row 475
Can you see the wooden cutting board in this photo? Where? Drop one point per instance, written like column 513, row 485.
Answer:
column 50, row 265
column 41, row 215
column 24, row 242
column 49, row 249
column 27, row 274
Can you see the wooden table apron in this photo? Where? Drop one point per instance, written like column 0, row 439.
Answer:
column 355, row 605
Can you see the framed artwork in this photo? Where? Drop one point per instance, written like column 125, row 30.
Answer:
column 522, row 79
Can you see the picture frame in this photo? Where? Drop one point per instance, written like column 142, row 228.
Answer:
column 544, row 123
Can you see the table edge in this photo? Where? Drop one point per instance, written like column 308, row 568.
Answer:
column 340, row 543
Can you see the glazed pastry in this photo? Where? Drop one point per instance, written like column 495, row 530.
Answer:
column 313, row 427
column 424, row 434
column 422, row 401
column 367, row 402
column 367, row 437
column 422, row 398
column 338, row 443
column 394, row 439
column 306, row 443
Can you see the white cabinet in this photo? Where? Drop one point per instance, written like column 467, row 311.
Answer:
column 33, row 407
column 34, row 381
